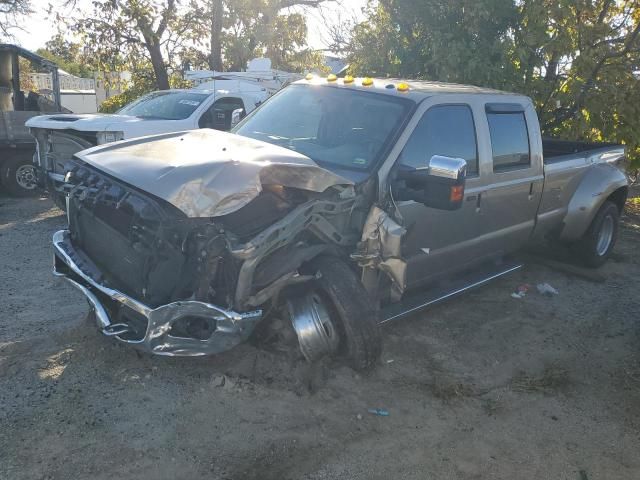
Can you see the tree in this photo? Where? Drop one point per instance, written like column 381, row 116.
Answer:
column 575, row 58
column 240, row 29
column 136, row 29
column 456, row 41
column 67, row 55
column 10, row 11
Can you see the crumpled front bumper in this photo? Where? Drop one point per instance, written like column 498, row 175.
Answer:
column 231, row 328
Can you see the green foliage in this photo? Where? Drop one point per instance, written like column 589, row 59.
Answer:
column 575, row 58
column 239, row 30
column 67, row 55
column 116, row 102
column 142, row 82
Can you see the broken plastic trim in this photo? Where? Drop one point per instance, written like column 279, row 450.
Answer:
column 232, row 328
column 381, row 248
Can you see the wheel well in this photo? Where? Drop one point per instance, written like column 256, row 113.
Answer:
column 619, row 197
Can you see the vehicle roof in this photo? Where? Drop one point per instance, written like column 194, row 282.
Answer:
column 218, row 92
column 418, row 89
column 28, row 54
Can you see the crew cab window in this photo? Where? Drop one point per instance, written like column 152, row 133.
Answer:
column 509, row 140
column 218, row 116
column 446, row 130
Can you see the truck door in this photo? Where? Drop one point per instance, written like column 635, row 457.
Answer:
column 510, row 203
column 218, row 115
column 439, row 241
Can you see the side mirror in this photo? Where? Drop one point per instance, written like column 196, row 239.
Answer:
column 236, row 116
column 440, row 185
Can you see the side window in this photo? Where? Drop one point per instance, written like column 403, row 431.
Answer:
column 446, row 130
column 218, row 116
column 509, row 140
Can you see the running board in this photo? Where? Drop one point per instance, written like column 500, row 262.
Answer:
column 423, row 300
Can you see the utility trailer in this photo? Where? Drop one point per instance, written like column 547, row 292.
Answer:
column 17, row 146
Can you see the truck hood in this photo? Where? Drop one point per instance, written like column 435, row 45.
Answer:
column 98, row 122
column 207, row 173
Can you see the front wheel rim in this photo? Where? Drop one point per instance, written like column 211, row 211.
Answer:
column 314, row 327
column 26, row 177
column 605, row 236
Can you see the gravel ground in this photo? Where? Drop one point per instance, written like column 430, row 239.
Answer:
column 484, row 386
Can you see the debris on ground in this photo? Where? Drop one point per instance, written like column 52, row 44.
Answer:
column 521, row 291
column 381, row 412
column 546, row 289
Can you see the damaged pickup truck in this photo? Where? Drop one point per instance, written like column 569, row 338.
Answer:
column 340, row 204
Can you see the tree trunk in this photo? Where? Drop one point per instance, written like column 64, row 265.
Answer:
column 159, row 68
column 215, row 58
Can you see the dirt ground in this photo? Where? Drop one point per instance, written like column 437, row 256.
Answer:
column 484, row 386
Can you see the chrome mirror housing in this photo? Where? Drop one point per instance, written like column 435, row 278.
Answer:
column 447, row 167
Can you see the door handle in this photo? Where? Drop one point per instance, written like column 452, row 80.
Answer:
column 530, row 190
column 477, row 198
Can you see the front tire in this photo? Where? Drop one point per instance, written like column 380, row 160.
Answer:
column 355, row 311
column 19, row 175
column 596, row 245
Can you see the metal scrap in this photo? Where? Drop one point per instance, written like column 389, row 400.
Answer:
column 381, row 248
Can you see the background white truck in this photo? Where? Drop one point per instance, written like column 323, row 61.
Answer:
column 211, row 104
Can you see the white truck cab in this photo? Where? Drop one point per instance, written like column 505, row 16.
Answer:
column 59, row 137
column 158, row 112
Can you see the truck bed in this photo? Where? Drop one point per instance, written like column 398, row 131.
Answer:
column 566, row 164
column 556, row 150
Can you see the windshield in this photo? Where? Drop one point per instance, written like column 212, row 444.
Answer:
column 341, row 127
column 168, row 105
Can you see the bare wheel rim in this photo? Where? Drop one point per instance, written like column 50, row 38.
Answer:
column 26, row 177
column 316, row 332
column 605, row 236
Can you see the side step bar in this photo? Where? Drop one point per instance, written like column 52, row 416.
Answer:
column 423, row 300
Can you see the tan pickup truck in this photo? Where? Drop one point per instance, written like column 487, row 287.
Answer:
column 339, row 204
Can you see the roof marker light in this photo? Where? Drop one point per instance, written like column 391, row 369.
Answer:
column 367, row 82
column 348, row 79
column 332, row 78
column 403, row 87
column 309, row 76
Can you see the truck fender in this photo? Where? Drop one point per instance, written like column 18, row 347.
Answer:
column 601, row 183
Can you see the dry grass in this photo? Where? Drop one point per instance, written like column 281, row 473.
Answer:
column 633, row 207
column 552, row 379
column 448, row 391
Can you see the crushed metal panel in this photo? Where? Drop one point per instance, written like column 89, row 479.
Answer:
column 381, row 248
column 207, row 173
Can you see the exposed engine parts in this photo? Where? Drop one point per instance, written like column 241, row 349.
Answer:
column 193, row 274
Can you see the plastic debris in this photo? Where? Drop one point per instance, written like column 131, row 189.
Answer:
column 521, row 291
column 390, row 361
column 381, row 412
column 546, row 289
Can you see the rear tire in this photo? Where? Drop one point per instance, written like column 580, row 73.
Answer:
column 352, row 310
column 18, row 174
column 595, row 247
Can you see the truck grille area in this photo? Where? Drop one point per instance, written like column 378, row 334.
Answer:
column 133, row 239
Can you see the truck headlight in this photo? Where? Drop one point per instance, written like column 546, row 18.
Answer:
column 109, row 137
